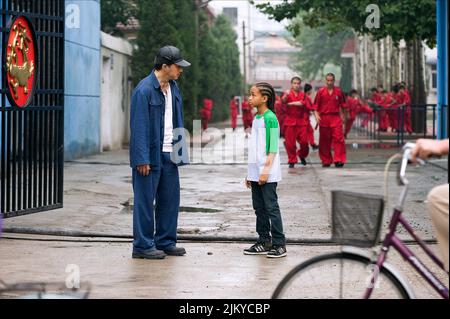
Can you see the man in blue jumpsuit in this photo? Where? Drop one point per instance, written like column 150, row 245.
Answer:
column 157, row 148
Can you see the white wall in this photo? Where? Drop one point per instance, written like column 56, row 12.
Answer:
column 115, row 92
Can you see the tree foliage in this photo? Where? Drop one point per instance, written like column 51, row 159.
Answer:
column 114, row 12
column 212, row 51
column 319, row 48
column 401, row 19
column 219, row 58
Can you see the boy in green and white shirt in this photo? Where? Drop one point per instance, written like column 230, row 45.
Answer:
column 264, row 173
column 262, row 142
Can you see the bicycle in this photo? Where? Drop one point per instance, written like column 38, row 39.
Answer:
column 354, row 272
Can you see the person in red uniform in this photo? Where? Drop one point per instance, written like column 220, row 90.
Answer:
column 353, row 106
column 279, row 112
column 387, row 105
column 247, row 114
column 283, row 114
column 405, row 99
column 377, row 101
column 310, row 106
column 330, row 113
column 383, row 124
column 233, row 112
column 206, row 113
column 392, row 106
column 365, row 109
column 295, row 124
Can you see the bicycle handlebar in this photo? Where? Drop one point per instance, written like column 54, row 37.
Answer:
column 406, row 158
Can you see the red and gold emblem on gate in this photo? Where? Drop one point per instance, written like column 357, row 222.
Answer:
column 21, row 61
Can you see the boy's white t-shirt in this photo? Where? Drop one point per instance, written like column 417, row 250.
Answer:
column 262, row 141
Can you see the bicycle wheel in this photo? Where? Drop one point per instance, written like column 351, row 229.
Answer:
column 338, row 276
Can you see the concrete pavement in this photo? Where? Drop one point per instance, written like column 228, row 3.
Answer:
column 210, row 270
column 215, row 207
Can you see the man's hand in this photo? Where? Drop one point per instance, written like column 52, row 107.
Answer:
column 144, row 170
column 248, row 184
column 426, row 148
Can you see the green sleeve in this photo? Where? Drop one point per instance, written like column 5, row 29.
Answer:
column 272, row 133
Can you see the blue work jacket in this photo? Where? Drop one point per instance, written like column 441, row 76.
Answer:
column 147, row 124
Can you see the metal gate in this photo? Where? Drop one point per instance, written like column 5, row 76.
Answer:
column 32, row 153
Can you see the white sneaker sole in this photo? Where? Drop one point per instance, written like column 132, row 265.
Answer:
column 277, row 256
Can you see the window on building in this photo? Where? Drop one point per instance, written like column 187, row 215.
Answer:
column 433, row 77
column 232, row 15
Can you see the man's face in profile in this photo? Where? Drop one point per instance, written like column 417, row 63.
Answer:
column 173, row 71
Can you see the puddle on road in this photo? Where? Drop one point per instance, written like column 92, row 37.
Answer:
column 128, row 208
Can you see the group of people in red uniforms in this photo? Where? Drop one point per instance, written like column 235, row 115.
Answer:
column 294, row 110
column 334, row 112
column 356, row 106
column 394, row 107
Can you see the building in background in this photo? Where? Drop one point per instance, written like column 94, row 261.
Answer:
column 270, row 60
column 380, row 62
column 248, row 22
column 115, row 95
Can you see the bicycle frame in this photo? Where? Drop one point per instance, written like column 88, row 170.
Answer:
column 392, row 240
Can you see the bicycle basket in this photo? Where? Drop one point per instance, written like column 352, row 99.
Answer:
column 356, row 218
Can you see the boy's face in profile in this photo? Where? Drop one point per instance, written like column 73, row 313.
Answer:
column 256, row 98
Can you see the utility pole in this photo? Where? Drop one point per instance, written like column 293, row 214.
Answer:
column 244, row 44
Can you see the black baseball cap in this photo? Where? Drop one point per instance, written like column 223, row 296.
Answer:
column 170, row 55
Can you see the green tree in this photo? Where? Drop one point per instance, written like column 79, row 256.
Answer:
column 210, row 63
column 154, row 33
column 184, row 23
column 402, row 19
column 116, row 11
column 411, row 20
column 319, row 47
column 212, row 51
column 220, row 62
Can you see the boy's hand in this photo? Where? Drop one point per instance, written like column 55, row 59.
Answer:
column 248, row 184
column 263, row 179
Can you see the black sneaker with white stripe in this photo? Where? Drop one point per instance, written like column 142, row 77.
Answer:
column 258, row 249
column 277, row 252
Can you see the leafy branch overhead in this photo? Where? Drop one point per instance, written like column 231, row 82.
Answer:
column 401, row 19
column 114, row 12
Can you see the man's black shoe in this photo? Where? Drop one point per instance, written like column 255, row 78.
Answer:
column 339, row 164
column 152, row 254
column 326, row 165
column 175, row 251
column 291, row 165
column 303, row 161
